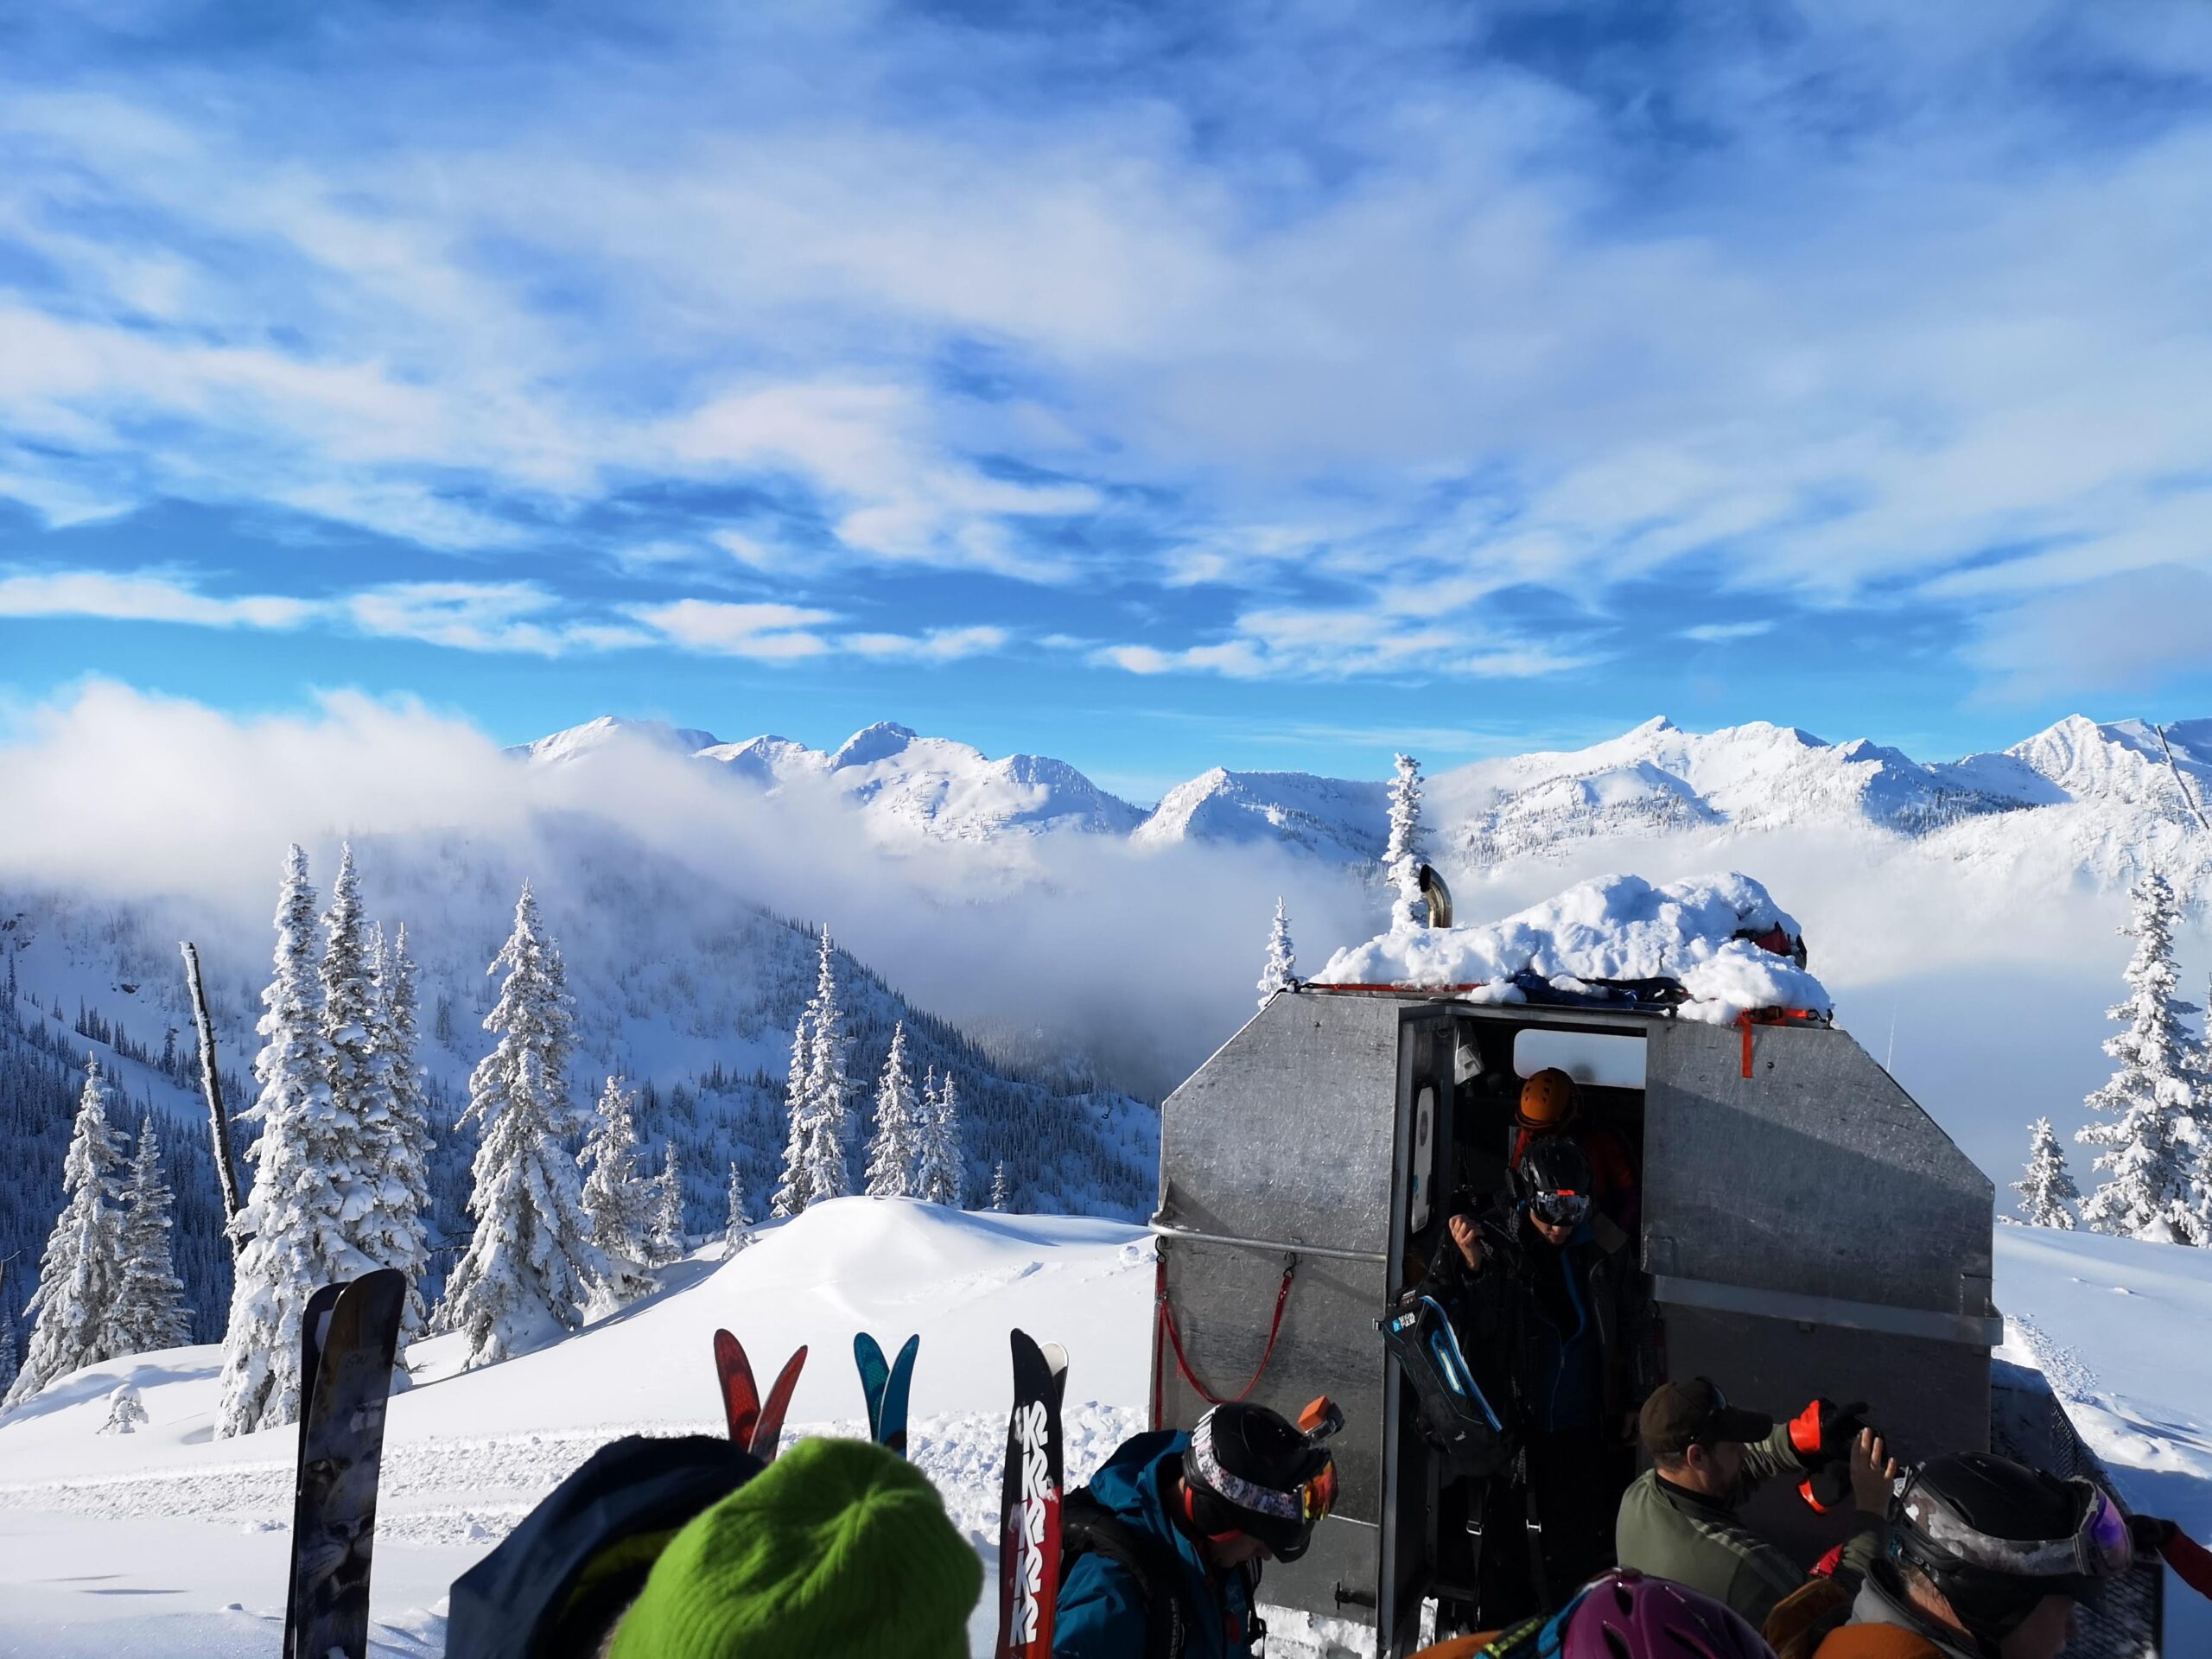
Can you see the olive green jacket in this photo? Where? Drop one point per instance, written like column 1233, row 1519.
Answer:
column 1694, row 1539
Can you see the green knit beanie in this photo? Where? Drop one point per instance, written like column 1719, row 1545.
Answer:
column 839, row 1547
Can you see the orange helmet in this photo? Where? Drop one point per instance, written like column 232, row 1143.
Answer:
column 1546, row 1101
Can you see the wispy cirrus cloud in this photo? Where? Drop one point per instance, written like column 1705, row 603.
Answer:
column 1891, row 309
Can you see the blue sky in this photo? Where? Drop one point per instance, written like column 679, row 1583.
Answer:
column 1266, row 386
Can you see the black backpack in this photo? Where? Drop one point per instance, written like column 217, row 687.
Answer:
column 1470, row 1437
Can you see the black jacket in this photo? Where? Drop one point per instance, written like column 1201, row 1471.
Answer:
column 1498, row 1309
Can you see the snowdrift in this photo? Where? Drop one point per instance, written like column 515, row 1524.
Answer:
column 1699, row 931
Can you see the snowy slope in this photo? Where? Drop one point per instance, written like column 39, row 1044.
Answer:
column 167, row 1543
column 174, row 1541
column 2123, row 1330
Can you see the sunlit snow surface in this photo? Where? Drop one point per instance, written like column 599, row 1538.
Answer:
column 163, row 1543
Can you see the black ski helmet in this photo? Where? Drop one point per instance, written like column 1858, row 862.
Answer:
column 1249, row 1470
column 1996, row 1537
column 1554, row 1163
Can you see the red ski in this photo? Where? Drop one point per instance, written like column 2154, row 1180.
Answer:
column 755, row 1426
column 768, row 1431
column 741, row 1395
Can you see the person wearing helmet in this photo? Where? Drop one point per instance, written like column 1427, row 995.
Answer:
column 1161, row 1552
column 1551, row 1292
column 1619, row 1614
column 1679, row 1518
column 1984, row 1558
column 1552, row 1104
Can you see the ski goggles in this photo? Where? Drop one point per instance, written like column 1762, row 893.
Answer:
column 1304, row 1506
column 1561, row 1209
column 2101, row 1546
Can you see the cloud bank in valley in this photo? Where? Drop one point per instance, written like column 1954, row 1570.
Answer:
column 1990, row 1001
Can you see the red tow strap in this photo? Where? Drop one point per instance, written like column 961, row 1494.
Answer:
column 2191, row 1562
column 1182, row 1360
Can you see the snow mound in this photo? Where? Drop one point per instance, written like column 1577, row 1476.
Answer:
column 1615, row 927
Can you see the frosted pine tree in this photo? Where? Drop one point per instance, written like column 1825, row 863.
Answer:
column 149, row 1313
column 2048, row 1190
column 892, row 1153
column 1000, row 1202
column 70, row 1311
column 402, row 1240
column 665, row 1237
column 530, row 1266
column 938, row 1179
column 126, row 1412
column 822, row 1146
column 617, row 1202
column 298, row 1220
column 791, row 1196
column 1401, row 858
column 2146, row 1152
column 737, row 1224
column 1280, row 968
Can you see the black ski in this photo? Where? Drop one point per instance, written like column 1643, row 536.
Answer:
column 1029, row 1503
column 348, row 1338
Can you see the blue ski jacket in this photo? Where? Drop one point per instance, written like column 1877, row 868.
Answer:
column 1101, row 1612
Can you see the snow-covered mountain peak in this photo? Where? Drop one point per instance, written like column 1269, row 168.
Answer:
column 1338, row 819
column 609, row 731
column 872, row 744
column 2120, row 762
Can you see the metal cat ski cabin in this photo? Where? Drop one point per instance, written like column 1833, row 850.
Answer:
column 1808, row 1228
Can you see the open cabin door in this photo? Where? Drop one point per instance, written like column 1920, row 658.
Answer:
column 1420, row 1183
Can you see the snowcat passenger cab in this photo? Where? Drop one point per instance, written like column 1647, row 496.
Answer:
column 1807, row 1228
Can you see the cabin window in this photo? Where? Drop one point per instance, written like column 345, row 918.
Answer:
column 1601, row 1059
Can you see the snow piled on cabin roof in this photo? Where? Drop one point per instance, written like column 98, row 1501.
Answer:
column 1615, row 927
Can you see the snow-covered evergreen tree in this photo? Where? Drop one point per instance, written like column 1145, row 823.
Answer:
column 2153, row 1094
column 126, row 1412
column 737, row 1225
column 298, row 1220
column 665, row 1237
column 999, row 1198
column 1281, row 966
column 2196, row 1223
column 1401, row 858
column 828, row 1090
column 405, row 1143
column 938, row 1178
column 2047, row 1192
column 71, row 1312
column 530, row 1266
column 791, row 1195
column 617, row 1202
column 149, row 1313
column 896, row 1148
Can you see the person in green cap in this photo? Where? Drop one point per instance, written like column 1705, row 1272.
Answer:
column 839, row 1547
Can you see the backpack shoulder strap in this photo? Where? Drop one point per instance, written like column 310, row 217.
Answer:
column 1088, row 1527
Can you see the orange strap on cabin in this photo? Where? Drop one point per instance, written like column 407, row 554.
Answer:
column 1749, row 1018
column 1182, row 1360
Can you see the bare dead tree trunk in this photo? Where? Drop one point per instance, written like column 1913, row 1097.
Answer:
column 218, row 1122
column 2189, row 796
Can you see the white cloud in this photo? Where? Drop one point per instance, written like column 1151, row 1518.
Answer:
column 937, row 645
column 2130, row 632
column 144, row 596
column 1719, row 633
column 766, row 632
column 1337, row 642
column 505, row 616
